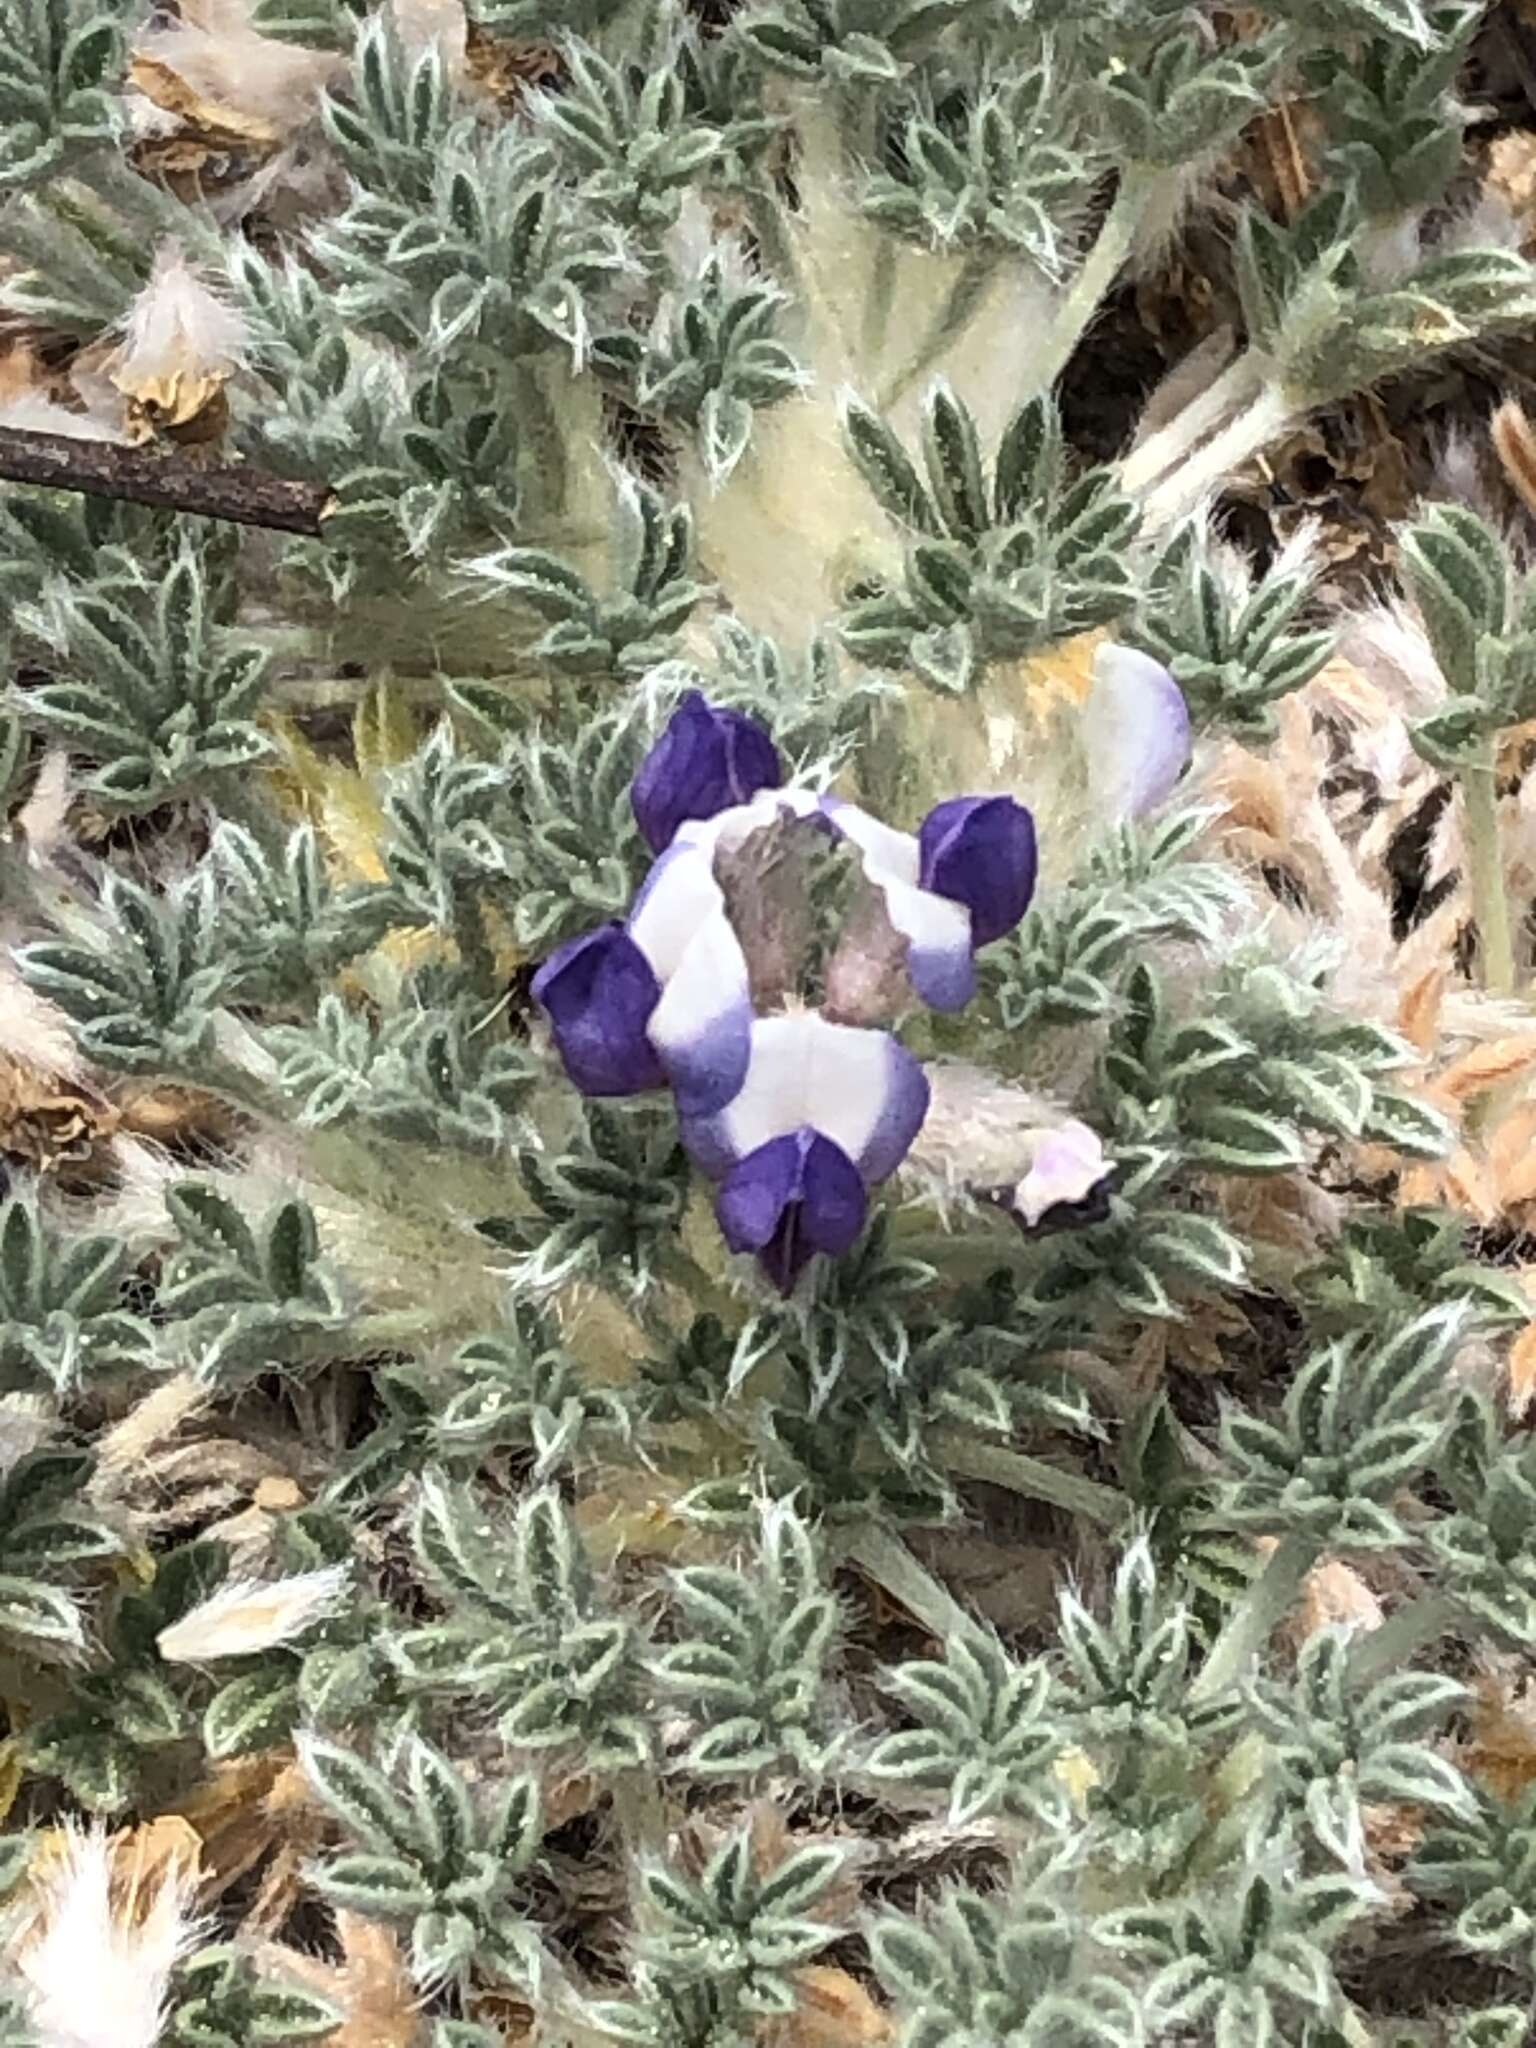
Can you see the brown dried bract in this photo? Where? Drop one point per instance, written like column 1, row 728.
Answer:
column 835, row 2011
column 370, row 1984
column 506, row 70
column 1514, row 442
column 211, row 122
column 49, row 1125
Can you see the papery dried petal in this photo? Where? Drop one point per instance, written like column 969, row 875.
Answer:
column 940, row 949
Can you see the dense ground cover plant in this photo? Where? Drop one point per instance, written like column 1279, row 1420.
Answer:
column 765, row 1148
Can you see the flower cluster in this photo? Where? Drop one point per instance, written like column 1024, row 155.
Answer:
column 797, row 1102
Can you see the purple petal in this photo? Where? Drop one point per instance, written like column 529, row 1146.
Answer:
column 1136, row 733
column 706, row 761
column 792, row 1197
column 980, row 851
column 599, row 993
column 937, row 929
column 901, row 1114
column 941, row 976
column 861, row 1089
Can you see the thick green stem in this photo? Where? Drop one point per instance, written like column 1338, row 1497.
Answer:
column 367, row 1336
column 1411, row 1629
column 887, row 1560
column 1261, row 421
column 997, row 1465
column 216, row 1075
column 1173, row 444
column 641, row 1812
column 961, row 300
column 1094, row 280
column 469, row 935
column 1257, row 1615
column 878, row 299
column 1485, row 870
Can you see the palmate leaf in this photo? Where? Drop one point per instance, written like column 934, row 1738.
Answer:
column 152, row 691
column 982, row 582
column 62, row 1319
column 749, row 1665
column 58, row 89
column 142, row 995
column 441, row 1858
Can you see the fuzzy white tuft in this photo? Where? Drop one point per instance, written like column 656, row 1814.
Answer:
column 246, row 1616
column 177, row 327
column 94, row 1964
column 1389, row 646
column 34, row 412
column 216, row 57
column 32, row 1031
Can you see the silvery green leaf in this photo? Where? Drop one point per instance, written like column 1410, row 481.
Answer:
column 385, row 1886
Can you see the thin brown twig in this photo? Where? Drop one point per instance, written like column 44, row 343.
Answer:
column 147, row 476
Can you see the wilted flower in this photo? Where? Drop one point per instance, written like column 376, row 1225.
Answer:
column 247, row 1616
column 796, row 1111
column 1067, row 1172
column 181, row 344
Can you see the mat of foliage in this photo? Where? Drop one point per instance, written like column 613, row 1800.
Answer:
column 767, row 1074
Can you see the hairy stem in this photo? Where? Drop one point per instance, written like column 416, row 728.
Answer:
column 959, row 303
column 1265, row 416
column 1093, row 282
column 367, row 1336
column 1147, row 464
column 1257, row 1615
column 887, row 1560
column 1402, row 1636
column 1485, row 870
column 997, row 1465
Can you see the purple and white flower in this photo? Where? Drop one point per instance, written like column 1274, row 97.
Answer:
column 1136, row 732
column 991, row 1140
column 795, row 1113
column 826, row 1112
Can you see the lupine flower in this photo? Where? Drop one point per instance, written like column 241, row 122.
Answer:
column 1136, row 732
column 825, row 1112
column 796, row 1113
column 1019, row 1151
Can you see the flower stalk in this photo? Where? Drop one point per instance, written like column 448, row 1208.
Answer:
column 1485, row 871
column 1096, row 277
column 998, row 1465
column 1402, row 1636
column 1262, row 420
column 886, row 1560
column 1257, row 1615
